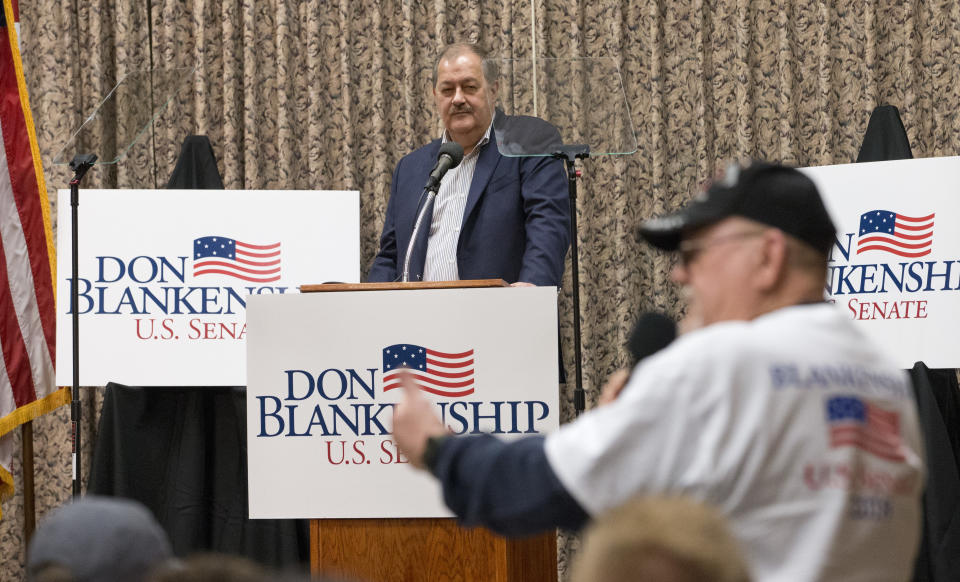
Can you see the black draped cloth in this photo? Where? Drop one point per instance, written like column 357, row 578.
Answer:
column 182, row 452
column 938, row 402
column 196, row 167
column 886, row 138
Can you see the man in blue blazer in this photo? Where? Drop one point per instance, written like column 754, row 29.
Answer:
column 494, row 216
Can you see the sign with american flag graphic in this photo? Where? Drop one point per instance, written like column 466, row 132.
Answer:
column 894, row 268
column 163, row 291
column 323, row 379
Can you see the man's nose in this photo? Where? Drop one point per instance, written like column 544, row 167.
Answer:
column 458, row 95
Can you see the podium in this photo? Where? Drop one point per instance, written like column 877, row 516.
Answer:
column 413, row 549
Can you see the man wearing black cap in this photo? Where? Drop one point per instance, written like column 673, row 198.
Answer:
column 771, row 406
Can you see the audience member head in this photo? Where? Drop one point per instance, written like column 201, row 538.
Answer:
column 660, row 540
column 465, row 92
column 97, row 539
column 755, row 240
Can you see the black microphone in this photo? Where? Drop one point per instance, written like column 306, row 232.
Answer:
column 449, row 157
column 652, row 332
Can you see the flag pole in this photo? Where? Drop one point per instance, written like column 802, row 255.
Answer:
column 80, row 165
column 29, row 512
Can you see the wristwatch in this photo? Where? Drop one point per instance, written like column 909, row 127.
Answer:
column 432, row 449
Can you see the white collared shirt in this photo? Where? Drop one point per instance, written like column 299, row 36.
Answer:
column 448, row 207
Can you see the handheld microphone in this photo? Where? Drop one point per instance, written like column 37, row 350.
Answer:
column 449, row 157
column 652, row 332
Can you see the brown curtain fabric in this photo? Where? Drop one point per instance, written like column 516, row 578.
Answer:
column 311, row 94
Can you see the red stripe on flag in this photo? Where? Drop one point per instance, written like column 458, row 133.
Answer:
column 206, row 263
column 449, row 364
column 856, row 437
column 916, row 218
column 15, row 358
column 895, row 242
column 243, row 245
column 420, row 378
column 257, row 263
column 876, row 247
column 447, row 393
column 237, row 275
column 927, row 226
column 242, row 253
column 463, row 374
column 450, row 356
column 899, row 235
column 26, row 192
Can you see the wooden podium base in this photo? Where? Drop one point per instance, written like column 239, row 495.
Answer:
column 413, row 550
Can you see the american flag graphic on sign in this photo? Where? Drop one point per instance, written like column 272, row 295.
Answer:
column 440, row 373
column 897, row 234
column 855, row 422
column 219, row 255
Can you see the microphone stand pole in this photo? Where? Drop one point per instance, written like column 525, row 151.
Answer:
column 449, row 157
column 569, row 154
column 80, row 165
column 427, row 204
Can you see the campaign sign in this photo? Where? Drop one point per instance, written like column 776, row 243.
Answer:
column 895, row 265
column 164, row 276
column 323, row 381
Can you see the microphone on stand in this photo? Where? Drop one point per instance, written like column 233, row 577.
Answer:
column 449, row 156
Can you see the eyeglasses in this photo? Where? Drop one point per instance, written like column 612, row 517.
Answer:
column 690, row 249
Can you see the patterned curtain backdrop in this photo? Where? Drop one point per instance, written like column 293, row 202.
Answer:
column 312, row 94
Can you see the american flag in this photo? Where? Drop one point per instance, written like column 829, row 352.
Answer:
column 904, row 236
column 219, row 255
column 27, row 311
column 440, row 373
column 856, row 423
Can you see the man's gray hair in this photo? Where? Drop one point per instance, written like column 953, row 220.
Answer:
column 491, row 70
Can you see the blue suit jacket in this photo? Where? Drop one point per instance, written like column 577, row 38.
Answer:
column 515, row 224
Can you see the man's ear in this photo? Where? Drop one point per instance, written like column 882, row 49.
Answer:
column 772, row 265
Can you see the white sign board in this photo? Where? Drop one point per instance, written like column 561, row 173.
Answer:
column 895, row 267
column 321, row 390
column 165, row 275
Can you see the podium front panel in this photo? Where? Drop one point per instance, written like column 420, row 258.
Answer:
column 322, row 384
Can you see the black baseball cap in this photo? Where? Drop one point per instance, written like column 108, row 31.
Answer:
column 772, row 194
